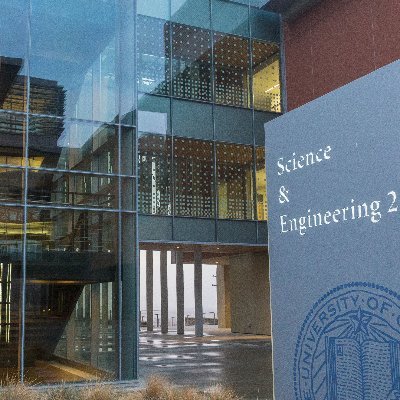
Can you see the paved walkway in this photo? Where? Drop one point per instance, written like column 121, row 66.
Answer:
column 241, row 362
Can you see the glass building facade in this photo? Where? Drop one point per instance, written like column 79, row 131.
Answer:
column 208, row 76
column 110, row 109
column 67, row 206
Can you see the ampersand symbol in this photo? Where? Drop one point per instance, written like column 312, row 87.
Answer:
column 283, row 195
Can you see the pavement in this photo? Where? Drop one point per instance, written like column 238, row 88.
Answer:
column 240, row 362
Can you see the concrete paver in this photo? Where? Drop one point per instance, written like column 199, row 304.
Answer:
column 240, row 362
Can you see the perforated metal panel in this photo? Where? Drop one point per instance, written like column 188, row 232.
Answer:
column 231, row 65
column 194, row 178
column 191, row 62
column 153, row 50
column 235, row 181
column 266, row 77
column 155, row 174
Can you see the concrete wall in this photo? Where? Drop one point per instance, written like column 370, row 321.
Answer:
column 249, row 294
column 336, row 42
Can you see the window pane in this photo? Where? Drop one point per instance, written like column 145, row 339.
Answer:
column 11, row 185
column 11, row 223
column 233, row 125
column 128, row 194
column 126, row 76
column 72, row 189
column 155, row 174
column 231, row 64
column 191, row 62
column 191, row 12
column 154, row 8
column 153, row 52
column 128, row 151
column 13, row 51
column 71, row 294
column 54, row 143
column 266, row 77
column 230, row 17
column 261, row 185
column 235, row 181
column 73, row 62
column 265, row 25
column 154, row 115
column 260, row 119
column 194, row 178
column 192, row 119
column 12, row 133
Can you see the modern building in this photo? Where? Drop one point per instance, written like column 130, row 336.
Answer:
column 128, row 125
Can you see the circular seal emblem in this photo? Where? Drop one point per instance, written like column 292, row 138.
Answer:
column 349, row 346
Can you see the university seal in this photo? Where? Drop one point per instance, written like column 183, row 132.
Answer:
column 349, row 346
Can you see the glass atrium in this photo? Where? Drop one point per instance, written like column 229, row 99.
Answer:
column 93, row 95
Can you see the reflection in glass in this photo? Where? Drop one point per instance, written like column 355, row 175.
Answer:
column 154, row 114
column 11, row 185
column 192, row 119
column 155, row 174
column 128, row 151
column 80, row 58
column 266, row 79
column 11, row 220
column 89, row 336
column 231, row 64
column 154, row 8
column 153, row 52
column 71, row 295
column 235, row 181
column 71, row 145
column 72, row 189
column 13, row 50
column 191, row 62
column 194, row 178
column 12, row 133
column 261, row 185
column 233, row 124
column 126, row 62
column 77, row 57
column 230, row 17
column 264, row 25
column 191, row 12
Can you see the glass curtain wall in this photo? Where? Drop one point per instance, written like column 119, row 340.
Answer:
column 208, row 73
column 67, row 154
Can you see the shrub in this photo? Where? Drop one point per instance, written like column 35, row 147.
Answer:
column 157, row 388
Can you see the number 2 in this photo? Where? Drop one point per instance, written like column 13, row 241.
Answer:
column 392, row 207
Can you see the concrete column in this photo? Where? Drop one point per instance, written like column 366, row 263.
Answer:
column 198, row 292
column 95, row 324
column 223, row 297
column 180, row 295
column 164, row 291
column 249, row 293
column 149, row 289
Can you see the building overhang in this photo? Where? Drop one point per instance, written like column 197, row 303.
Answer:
column 290, row 9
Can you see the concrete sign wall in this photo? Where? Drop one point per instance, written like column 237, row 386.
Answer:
column 334, row 238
